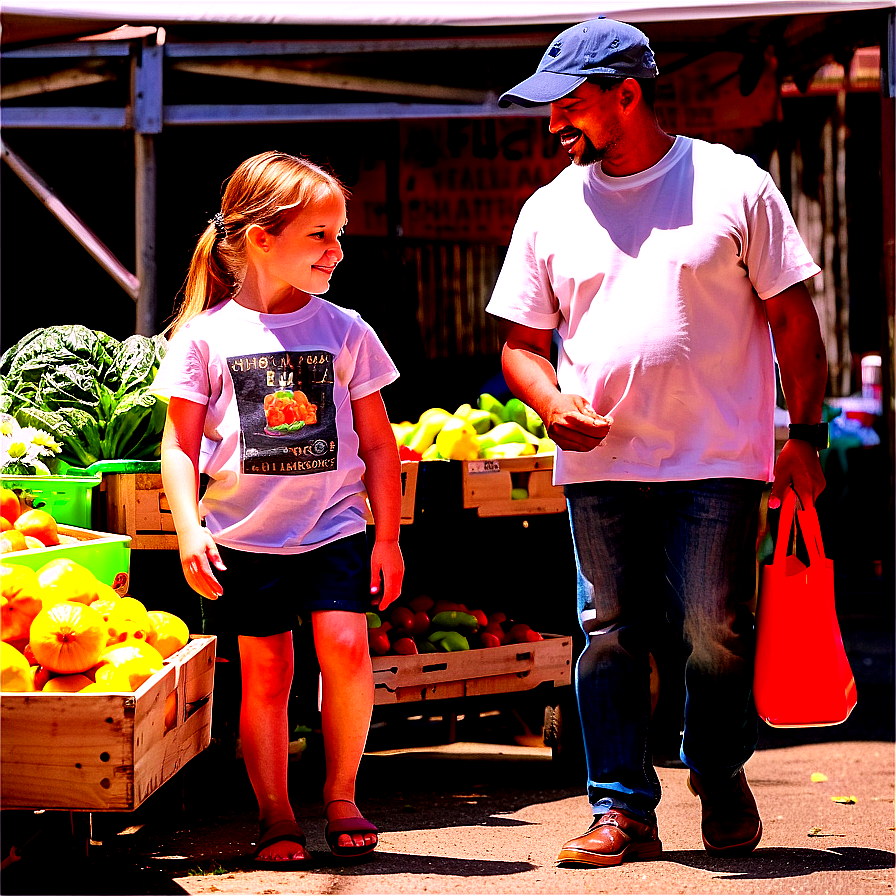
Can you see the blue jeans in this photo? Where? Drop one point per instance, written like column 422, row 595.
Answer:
column 677, row 558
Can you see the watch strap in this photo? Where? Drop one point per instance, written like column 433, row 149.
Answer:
column 816, row 434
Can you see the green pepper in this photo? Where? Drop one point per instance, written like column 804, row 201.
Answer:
column 373, row 620
column 453, row 619
column 453, row 641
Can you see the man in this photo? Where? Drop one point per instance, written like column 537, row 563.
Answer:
column 662, row 263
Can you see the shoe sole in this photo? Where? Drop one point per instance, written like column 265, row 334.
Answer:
column 734, row 849
column 633, row 852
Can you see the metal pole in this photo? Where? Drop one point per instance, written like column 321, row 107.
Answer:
column 146, row 106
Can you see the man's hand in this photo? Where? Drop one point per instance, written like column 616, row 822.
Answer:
column 574, row 425
column 797, row 466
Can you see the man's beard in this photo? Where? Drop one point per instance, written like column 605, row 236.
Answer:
column 592, row 154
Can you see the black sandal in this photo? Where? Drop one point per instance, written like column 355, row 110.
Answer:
column 355, row 824
column 278, row 832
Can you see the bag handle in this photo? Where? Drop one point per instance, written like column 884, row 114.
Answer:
column 811, row 529
column 807, row 520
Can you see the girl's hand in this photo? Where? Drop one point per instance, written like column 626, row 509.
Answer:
column 386, row 566
column 198, row 554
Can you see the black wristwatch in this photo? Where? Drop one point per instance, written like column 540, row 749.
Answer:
column 816, row 434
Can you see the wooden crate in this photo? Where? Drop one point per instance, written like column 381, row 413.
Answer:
column 469, row 673
column 409, row 472
column 136, row 505
column 107, row 752
column 488, row 486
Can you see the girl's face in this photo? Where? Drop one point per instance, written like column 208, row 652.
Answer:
column 306, row 251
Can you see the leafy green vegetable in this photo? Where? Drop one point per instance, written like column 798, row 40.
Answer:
column 89, row 390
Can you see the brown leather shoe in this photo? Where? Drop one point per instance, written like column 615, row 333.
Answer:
column 612, row 839
column 731, row 823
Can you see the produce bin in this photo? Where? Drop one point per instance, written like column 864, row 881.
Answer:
column 471, row 673
column 500, row 487
column 409, row 469
column 106, row 555
column 68, row 499
column 512, row 486
column 107, row 752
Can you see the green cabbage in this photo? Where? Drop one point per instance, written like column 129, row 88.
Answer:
column 88, row 390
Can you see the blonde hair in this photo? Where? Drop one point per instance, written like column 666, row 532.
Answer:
column 263, row 190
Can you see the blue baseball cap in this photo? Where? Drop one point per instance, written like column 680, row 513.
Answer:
column 599, row 46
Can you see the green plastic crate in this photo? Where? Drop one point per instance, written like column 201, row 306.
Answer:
column 68, row 499
column 106, row 555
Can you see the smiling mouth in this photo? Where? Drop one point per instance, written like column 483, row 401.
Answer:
column 324, row 268
column 569, row 137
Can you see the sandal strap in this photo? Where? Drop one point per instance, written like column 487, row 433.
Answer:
column 353, row 825
column 288, row 831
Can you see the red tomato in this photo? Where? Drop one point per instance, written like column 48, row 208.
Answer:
column 442, row 604
column 421, row 623
column 519, row 633
column 405, row 647
column 422, row 602
column 481, row 618
column 402, row 619
column 378, row 641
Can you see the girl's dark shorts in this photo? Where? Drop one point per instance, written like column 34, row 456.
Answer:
column 267, row 594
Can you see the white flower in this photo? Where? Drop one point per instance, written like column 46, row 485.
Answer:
column 21, row 448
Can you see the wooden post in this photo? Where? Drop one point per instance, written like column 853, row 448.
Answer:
column 146, row 108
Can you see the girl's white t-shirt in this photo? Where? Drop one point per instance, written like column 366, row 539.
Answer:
column 654, row 282
column 281, row 481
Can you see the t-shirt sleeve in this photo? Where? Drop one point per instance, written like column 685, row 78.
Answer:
column 776, row 256
column 523, row 292
column 184, row 372
column 373, row 366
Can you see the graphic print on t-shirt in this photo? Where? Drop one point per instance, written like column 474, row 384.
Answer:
column 287, row 414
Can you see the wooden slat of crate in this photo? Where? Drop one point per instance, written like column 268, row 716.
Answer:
column 107, row 752
column 488, row 485
column 409, row 471
column 136, row 506
column 467, row 673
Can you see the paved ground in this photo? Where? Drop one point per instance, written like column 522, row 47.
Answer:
column 488, row 817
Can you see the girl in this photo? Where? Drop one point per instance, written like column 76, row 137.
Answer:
column 274, row 393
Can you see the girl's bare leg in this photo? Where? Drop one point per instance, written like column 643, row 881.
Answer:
column 340, row 638
column 267, row 670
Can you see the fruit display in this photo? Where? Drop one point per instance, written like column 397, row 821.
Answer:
column 490, row 430
column 73, row 633
column 424, row 625
column 24, row 527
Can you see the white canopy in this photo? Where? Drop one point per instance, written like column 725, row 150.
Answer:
column 415, row 12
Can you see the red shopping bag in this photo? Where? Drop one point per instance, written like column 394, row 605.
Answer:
column 802, row 677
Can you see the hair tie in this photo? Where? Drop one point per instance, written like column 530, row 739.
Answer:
column 218, row 220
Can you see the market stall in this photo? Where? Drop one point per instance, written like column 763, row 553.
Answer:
column 435, row 208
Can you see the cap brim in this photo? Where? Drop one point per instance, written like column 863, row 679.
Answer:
column 541, row 88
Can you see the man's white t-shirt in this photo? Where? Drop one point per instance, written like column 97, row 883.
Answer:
column 653, row 283
column 285, row 474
